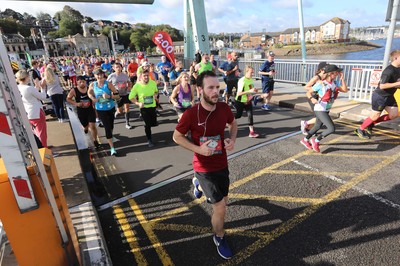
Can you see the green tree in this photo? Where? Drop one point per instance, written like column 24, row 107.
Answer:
column 10, row 26
column 69, row 27
column 41, row 16
column 70, row 21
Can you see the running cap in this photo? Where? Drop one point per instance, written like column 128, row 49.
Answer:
column 322, row 65
column 270, row 53
column 332, row 68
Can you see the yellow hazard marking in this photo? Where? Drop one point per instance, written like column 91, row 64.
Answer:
column 162, row 254
column 304, row 172
column 276, row 198
column 129, row 235
column 376, row 131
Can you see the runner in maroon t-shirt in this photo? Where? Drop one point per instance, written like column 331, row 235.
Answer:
column 206, row 121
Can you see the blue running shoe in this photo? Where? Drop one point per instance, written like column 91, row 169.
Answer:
column 222, row 247
column 265, row 107
column 196, row 191
column 255, row 100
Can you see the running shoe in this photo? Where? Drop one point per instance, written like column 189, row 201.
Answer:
column 165, row 93
column 303, row 126
column 113, row 151
column 265, row 107
column 127, row 126
column 253, row 135
column 151, row 144
column 315, row 145
column 196, row 191
column 306, row 144
column 114, row 139
column 369, row 129
column 56, row 154
column 222, row 247
column 362, row 134
column 255, row 100
column 96, row 144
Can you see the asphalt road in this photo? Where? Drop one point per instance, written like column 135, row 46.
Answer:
column 288, row 205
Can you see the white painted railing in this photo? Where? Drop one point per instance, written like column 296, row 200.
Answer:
column 363, row 83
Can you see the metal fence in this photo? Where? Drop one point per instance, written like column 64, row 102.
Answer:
column 295, row 71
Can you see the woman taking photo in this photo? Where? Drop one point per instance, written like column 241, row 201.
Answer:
column 56, row 93
column 103, row 93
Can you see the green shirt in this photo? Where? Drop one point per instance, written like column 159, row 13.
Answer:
column 204, row 67
column 145, row 93
column 244, row 84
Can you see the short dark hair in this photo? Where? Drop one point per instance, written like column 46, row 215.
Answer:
column 200, row 78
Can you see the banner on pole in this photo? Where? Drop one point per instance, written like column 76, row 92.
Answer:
column 164, row 42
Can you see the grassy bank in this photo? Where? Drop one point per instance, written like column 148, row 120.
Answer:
column 325, row 48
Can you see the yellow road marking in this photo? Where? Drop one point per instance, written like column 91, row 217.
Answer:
column 355, row 155
column 276, row 198
column 129, row 235
column 383, row 132
column 162, row 254
column 304, row 172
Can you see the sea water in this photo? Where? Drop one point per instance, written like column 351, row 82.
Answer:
column 374, row 54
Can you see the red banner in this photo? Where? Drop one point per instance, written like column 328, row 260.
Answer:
column 164, row 42
column 4, row 127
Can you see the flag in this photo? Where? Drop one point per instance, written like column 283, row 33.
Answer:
column 164, row 42
column 29, row 58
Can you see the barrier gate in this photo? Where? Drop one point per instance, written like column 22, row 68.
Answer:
column 21, row 165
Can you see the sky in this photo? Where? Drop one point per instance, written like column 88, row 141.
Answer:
column 225, row 16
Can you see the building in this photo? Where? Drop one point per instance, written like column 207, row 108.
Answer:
column 335, row 29
column 89, row 44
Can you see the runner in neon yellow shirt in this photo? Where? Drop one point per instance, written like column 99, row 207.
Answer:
column 243, row 98
column 144, row 94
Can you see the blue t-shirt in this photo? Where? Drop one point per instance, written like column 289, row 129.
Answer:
column 227, row 66
column 267, row 66
column 106, row 67
column 163, row 67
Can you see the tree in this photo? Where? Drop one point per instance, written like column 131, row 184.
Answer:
column 41, row 16
column 69, row 27
column 68, row 13
column 10, row 26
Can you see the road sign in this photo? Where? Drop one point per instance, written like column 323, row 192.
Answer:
column 375, row 77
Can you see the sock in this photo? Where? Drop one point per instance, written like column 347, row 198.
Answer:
column 382, row 118
column 127, row 118
column 368, row 121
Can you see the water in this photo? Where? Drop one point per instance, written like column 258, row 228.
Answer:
column 374, row 54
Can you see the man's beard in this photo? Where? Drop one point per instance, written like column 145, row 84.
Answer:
column 209, row 100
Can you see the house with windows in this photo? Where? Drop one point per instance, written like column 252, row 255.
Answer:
column 335, row 29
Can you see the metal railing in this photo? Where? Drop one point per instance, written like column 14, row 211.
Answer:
column 295, row 71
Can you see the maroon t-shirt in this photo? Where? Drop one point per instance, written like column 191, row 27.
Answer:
column 204, row 126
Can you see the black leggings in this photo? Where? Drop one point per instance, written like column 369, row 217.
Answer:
column 323, row 118
column 107, row 117
column 249, row 110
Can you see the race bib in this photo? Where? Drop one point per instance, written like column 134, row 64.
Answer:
column 148, row 99
column 86, row 103
column 215, row 143
column 186, row 103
